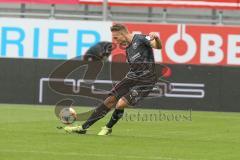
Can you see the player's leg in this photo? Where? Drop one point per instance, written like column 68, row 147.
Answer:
column 136, row 94
column 116, row 93
column 119, row 91
column 100, row 111
column 117, row 114
column 97, row 114
column 131, row 98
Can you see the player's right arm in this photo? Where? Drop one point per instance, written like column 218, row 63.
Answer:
column 155, row 40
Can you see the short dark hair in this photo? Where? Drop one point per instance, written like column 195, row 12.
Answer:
column 118, row 27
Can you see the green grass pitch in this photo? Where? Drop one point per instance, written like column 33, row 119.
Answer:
column 29, row 132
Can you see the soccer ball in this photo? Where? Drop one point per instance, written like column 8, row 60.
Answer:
column 68, row 115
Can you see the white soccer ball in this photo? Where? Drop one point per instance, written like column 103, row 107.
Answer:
column 68, row 115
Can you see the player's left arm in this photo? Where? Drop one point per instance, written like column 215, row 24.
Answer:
column 155, row 40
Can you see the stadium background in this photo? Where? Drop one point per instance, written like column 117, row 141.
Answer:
column 200, row 45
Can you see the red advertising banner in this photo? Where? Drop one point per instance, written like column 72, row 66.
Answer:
column 192, row 44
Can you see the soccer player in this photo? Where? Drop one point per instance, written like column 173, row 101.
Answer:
column 137, row 84
column 99, row 51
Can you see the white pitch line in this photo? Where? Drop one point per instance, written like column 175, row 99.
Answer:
column 93, row 155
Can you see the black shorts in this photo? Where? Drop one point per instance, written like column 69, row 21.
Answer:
column 132, row 90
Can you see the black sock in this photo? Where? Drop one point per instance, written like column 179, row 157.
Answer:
column 98, row 113
column 117, row 114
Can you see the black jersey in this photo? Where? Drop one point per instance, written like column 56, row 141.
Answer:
column 98, row 51
column 141, row 59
